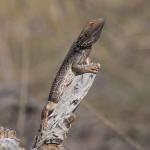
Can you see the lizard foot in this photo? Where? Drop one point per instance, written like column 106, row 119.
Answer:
column 69, row 120
column 93, row 67
column 47, row 111
column 44, row 125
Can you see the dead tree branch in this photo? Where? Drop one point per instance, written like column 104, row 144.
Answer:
column 60, row 120
column 8, row 140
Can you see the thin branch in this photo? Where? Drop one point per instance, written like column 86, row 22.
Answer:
column 24, row 84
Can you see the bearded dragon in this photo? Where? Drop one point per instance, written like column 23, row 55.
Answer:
column 76, row 62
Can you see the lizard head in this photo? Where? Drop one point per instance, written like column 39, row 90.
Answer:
column 90, row 34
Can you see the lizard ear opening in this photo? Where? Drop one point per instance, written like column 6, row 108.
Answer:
column 91, row 23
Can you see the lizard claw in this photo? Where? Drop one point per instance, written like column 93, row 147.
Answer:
column 94, row 67
column 44, row 125
column 69, row 120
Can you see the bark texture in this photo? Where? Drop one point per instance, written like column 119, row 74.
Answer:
column 8, row 140
column 60, row 120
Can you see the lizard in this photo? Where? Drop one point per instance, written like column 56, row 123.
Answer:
column 76, row 62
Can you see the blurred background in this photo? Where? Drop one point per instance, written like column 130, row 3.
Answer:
column 35, row 36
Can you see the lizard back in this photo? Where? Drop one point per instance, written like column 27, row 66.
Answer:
column 65, row 75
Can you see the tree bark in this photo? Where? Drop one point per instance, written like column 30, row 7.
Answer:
column 60, row 120
column 8, row 140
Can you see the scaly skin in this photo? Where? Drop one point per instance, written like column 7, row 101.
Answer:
column 76, row 62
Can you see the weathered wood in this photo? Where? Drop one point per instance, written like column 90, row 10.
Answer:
column 60, row 120
column 8, row 140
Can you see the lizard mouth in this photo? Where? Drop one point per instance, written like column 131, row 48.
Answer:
column 97, row 30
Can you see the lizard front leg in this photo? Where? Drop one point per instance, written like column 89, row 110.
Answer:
column 88, row 61
column 88, row 67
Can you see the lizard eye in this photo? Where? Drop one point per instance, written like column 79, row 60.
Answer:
column 86, row 35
